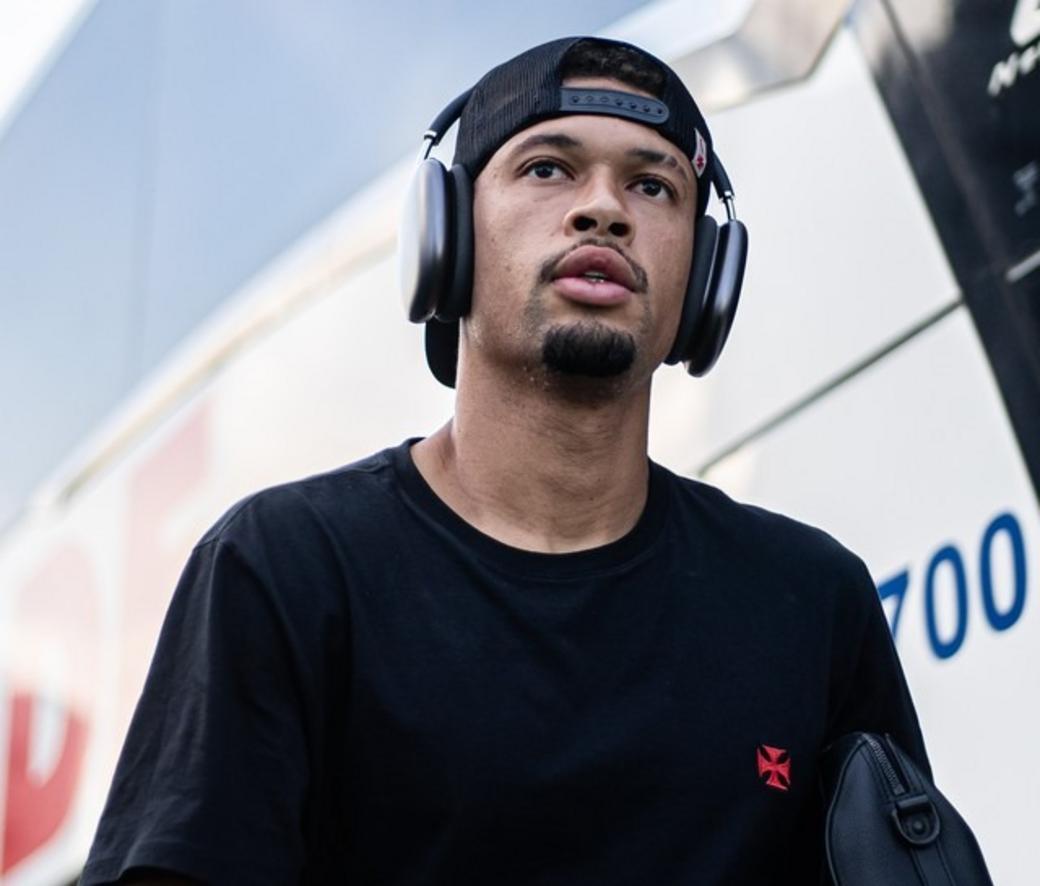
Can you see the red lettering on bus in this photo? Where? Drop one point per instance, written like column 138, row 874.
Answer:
column 37, row 805
column 52, row 664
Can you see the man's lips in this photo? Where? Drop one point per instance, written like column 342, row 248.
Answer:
column 611, row 280
column 602, row 293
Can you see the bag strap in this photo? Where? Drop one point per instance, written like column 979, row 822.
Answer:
column 931, row 866
column 919, row 824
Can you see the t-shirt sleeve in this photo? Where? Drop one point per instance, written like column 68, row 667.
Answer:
column 870, row 693
column 212, row 778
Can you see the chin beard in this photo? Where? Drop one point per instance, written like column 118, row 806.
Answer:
column 588, row 349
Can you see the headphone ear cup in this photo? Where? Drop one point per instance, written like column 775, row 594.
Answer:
column 721, row 299
column 442, row 330
column 705, row 238
column 455, row 301
column 425, row 239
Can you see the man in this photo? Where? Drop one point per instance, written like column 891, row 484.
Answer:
column 516, row 651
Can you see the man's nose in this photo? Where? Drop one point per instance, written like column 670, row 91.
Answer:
column 600, row 210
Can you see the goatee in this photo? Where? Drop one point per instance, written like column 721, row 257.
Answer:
column 588, row 349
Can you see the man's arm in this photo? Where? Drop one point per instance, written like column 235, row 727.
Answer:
column 216, row 755
column 874, row 696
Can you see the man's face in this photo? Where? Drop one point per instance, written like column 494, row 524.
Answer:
column 583, row 240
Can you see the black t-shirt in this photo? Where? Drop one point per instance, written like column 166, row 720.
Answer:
column 353, row 685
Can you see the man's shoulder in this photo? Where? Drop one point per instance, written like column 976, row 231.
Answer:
column 765, row 534
column 330, row 501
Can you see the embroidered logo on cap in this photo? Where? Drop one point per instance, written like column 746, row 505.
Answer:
column 700, row 156
column 776, row 763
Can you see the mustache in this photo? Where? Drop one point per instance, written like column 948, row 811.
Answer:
column 548, row 267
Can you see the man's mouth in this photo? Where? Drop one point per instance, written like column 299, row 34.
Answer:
column 595, row 275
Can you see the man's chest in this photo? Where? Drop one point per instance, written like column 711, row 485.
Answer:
column 600, row 699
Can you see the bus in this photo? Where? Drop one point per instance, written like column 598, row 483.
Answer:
column 882, row 379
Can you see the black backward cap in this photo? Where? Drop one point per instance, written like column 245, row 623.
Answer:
column 527, row 89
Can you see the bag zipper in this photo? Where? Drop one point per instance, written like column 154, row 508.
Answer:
column 885, row 765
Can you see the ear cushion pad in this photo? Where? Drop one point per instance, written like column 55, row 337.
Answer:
column 722, row 297
column 425, row 241
column 442, row 350
column 455, row 300
column 705, row 237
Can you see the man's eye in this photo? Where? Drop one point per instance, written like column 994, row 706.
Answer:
column 653, row 187
column 544, row 169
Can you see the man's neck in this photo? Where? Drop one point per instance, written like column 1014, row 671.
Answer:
column 543, row 473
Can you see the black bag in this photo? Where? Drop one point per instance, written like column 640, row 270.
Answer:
column 888, row 825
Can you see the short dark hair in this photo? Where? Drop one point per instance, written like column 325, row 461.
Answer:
column 589, row 58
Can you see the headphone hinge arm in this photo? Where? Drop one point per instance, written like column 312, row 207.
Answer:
column 430, row 138
column 724, row 189
column 731, row 207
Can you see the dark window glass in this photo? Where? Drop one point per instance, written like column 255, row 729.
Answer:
column 960, row 79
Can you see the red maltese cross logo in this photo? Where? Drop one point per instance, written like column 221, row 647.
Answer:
column 776, row 763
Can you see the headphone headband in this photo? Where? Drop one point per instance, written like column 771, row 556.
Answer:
column 443, row 121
